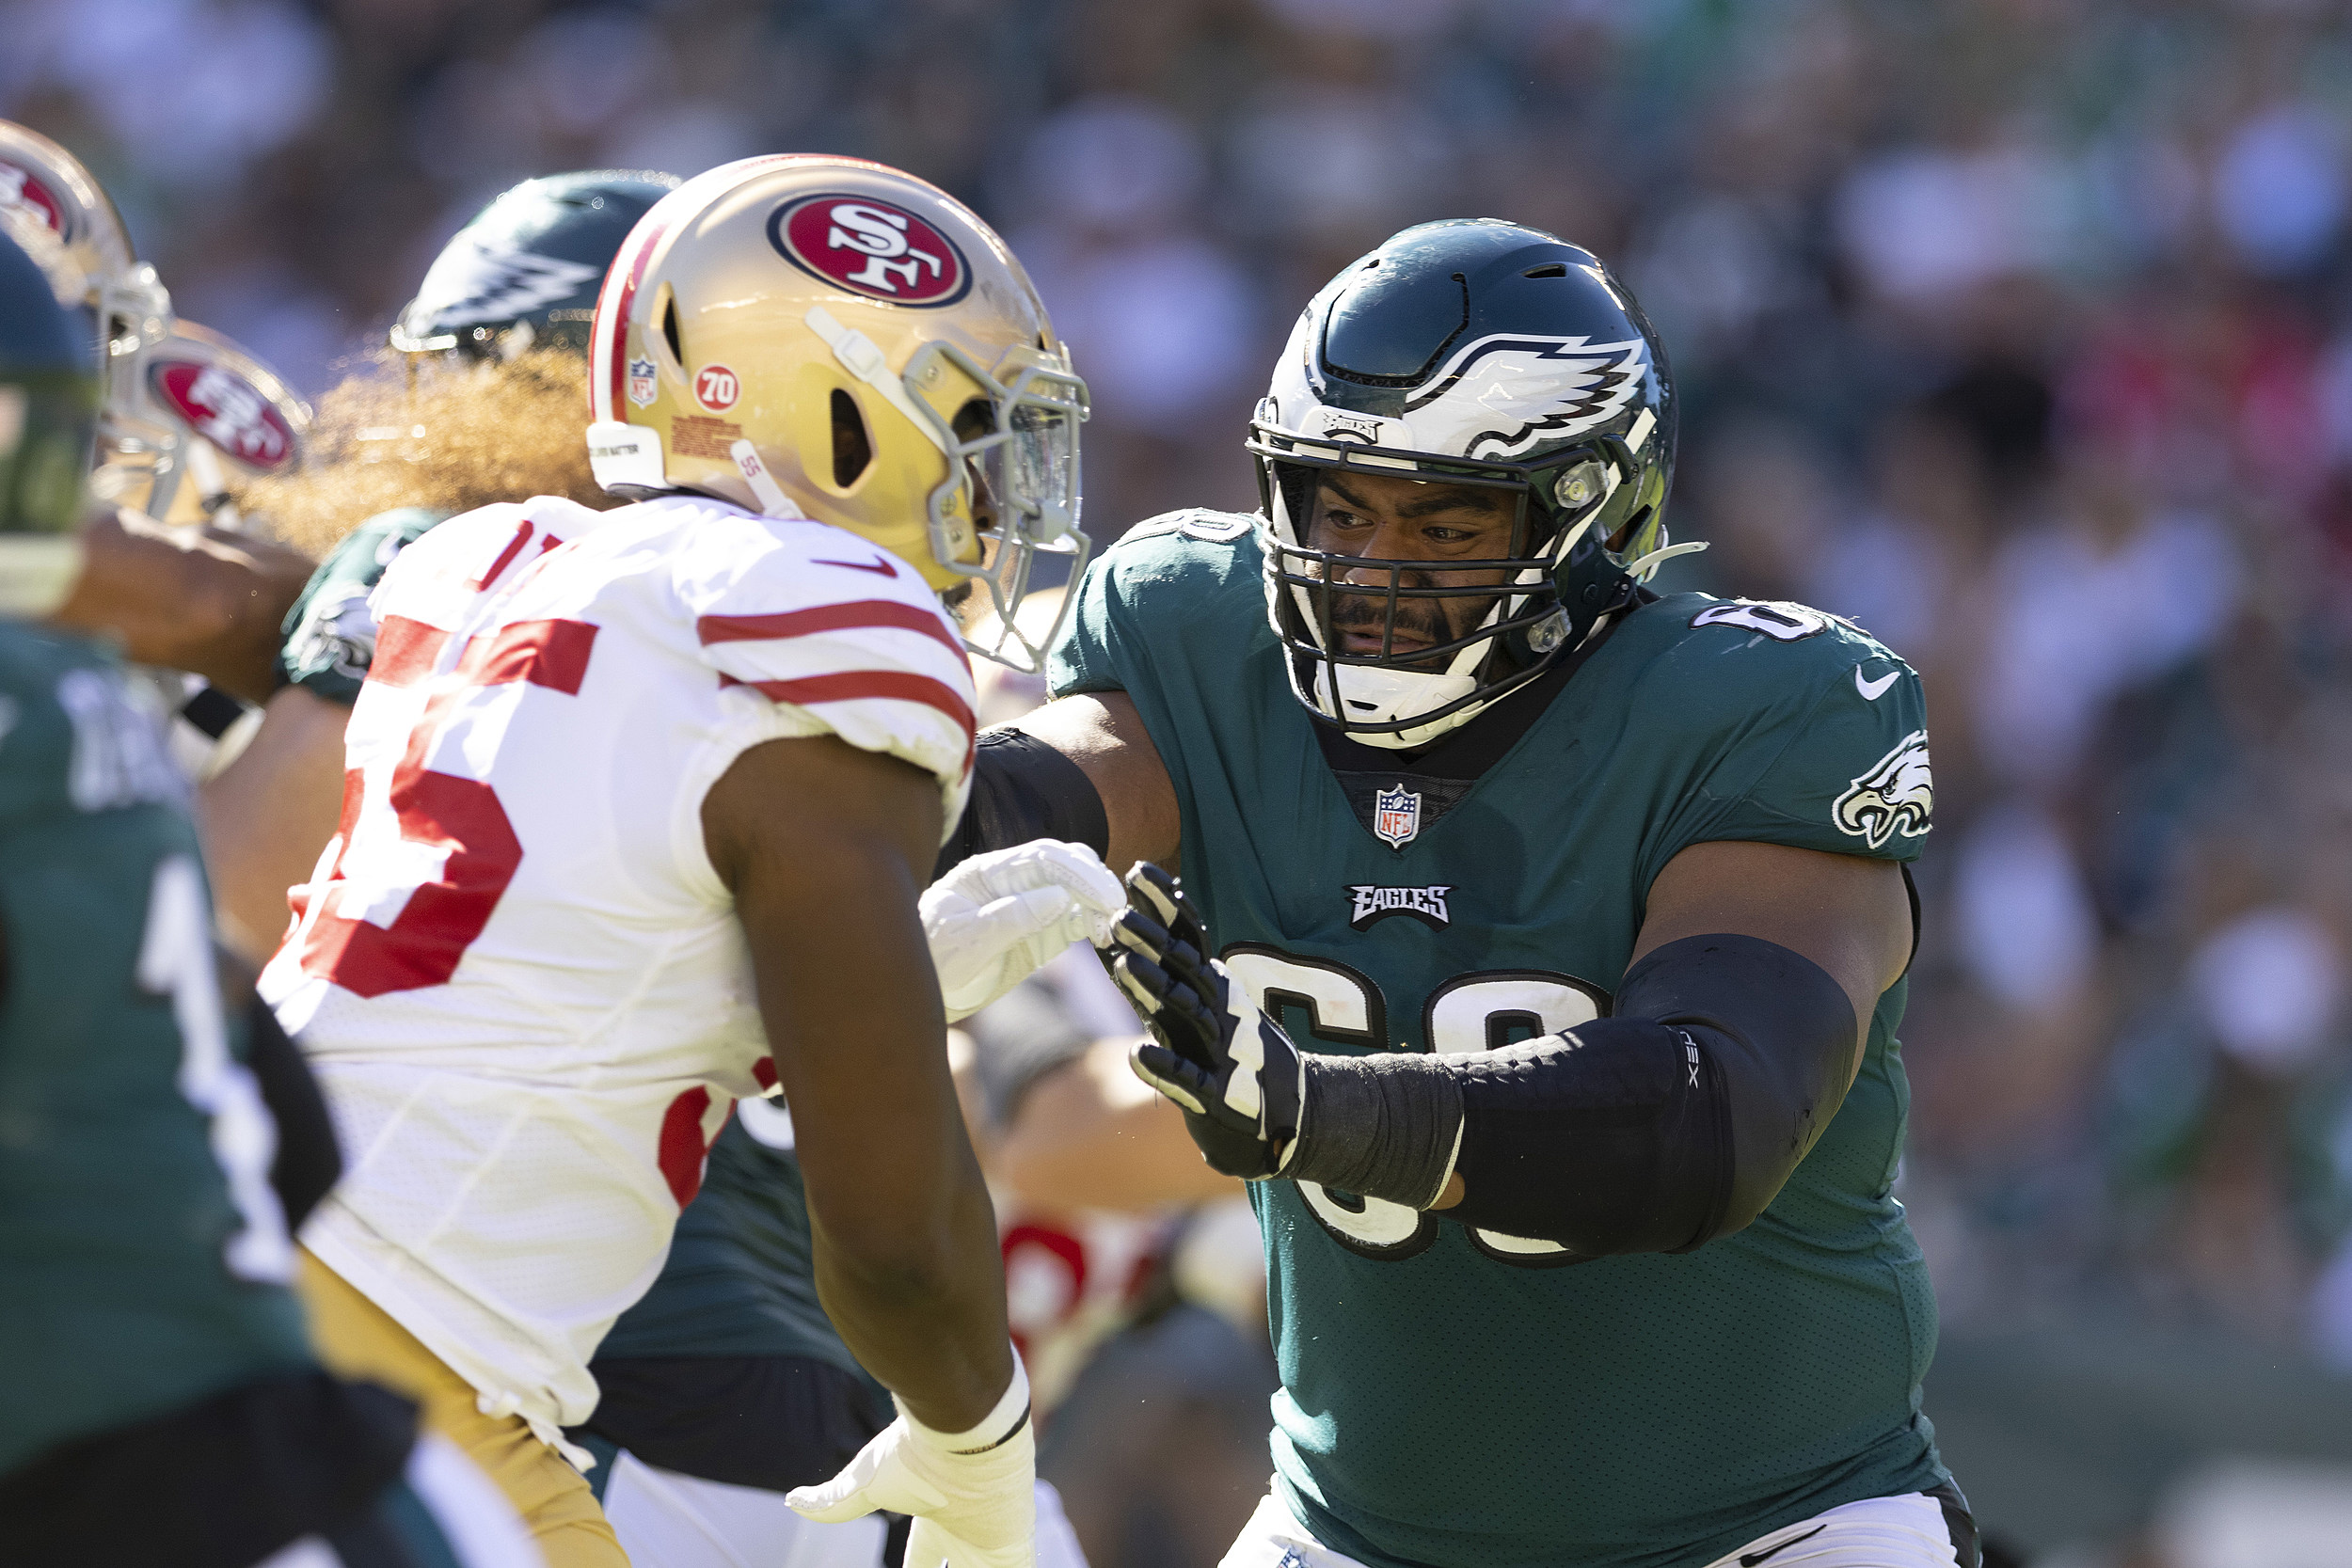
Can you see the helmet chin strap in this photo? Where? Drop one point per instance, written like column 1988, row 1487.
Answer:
column 1345, row 690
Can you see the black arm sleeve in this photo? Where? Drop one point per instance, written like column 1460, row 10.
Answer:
column 1670, row 1123
column 1024, row 789
column 308, row 1163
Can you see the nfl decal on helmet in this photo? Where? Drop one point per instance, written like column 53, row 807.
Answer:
column 829, row 337
column 1468, row 352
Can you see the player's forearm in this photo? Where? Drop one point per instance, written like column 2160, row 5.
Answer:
column 1089, row 1135
column 1082, row 769
column 906, row 1254
column 267, row 815
column 192, row 599
column 923, row 1313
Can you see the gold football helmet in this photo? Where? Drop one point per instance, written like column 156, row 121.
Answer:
column 830, row 337
column 180, row 400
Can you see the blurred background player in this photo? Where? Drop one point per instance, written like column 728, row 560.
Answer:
column 806, row 637
column 178, row 400
column 164, row 1403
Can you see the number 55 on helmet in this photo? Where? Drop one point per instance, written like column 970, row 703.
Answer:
column 830, row 337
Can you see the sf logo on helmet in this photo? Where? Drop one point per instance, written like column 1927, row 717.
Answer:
column 871, row 247
column 19, row 189
column 223, row 409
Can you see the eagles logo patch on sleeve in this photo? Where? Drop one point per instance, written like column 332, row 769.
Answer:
column 1896, row 796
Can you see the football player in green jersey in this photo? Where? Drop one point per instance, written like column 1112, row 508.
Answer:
column 162, row 1402
column 1538, row 952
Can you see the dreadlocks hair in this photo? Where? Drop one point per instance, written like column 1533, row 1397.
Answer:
column 448, row 435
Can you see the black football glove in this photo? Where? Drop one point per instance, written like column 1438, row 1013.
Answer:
column 1234, row 1072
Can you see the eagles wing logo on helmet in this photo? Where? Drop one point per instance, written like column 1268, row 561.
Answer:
column 1896, row 794
column 482, row 284
column 1503, row 393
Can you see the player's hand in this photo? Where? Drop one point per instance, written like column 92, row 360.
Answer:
column 972, row 1496
column 996, row 917
column 1230, row 1068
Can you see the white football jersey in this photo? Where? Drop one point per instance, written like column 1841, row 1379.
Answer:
column 519, row 981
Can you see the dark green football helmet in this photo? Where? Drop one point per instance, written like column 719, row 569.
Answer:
column 1475, row 352
column 48, row 419
column 525, row 272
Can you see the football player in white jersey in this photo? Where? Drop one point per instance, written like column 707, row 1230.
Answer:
column 638, row 803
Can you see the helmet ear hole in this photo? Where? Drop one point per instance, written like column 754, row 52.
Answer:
column 669, row 328
column 852, row 448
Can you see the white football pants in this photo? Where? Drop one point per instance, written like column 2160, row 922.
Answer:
column 668, row 1520
column 1878, row 1532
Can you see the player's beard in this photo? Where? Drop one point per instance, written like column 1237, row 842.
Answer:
column 447, row 435
column 1422, row 620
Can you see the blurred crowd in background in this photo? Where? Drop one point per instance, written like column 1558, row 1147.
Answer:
column 2019, row 331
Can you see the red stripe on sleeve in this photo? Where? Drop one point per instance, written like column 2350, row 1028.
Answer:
column 829, row 617
column 854, row 685
column 514, row 547
column 553, row 653
column 405, row 651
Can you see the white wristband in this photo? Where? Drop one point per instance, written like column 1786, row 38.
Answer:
column 1001, row 1425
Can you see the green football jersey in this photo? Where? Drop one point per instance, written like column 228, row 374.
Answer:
column 1469, row 1399
column 144, row 1259
column 738, row 1279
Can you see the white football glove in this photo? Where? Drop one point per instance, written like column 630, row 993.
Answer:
column 996, row 917
column 972, row 1494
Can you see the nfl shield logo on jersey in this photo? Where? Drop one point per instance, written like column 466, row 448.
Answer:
column 1395, row 816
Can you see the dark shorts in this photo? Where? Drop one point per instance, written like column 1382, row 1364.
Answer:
column 222, row 1483
column 771, row 1421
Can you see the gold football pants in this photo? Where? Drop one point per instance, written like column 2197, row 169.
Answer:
column 358, row 1338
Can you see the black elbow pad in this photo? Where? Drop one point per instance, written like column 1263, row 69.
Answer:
column 1672, row 1122
column 1024, row 789
column 1607, row 1139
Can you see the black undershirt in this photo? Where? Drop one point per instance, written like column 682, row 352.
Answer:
column 1443, row 774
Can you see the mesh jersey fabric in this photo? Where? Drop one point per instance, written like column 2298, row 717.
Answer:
column 515, row 972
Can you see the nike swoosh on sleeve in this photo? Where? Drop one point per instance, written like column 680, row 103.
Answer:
column 880, row 568
column 1749, row 1559
column 1872, row 691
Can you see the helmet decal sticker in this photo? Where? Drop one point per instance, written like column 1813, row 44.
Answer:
column 716, row 388
column 871, row 247
column 1896, row 794
column 1503, row 393
column 21, row 190
column 641, row 382
column 219, row 406
column 484, row 284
